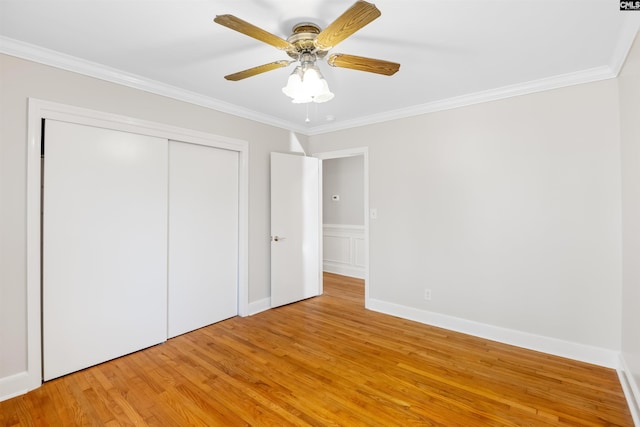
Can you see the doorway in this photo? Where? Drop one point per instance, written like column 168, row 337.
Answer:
column 345, row 207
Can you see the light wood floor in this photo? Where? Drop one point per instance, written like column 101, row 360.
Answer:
column 322, row 362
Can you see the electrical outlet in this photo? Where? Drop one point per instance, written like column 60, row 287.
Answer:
column 427, row 294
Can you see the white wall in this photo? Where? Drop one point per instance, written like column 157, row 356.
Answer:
column 20, row 79
column 629, row 90
column 344, row 177
column 509, row 211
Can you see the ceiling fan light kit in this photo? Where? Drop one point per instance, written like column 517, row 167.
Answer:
column 308, row 44
column 306, row 83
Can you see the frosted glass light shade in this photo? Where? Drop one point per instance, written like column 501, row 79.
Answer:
column 307, row 85
column 325, row 94
column 294, row 88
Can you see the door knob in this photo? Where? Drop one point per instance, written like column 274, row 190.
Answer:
column 276, row 238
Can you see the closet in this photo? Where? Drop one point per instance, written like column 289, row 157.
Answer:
column 139, row 242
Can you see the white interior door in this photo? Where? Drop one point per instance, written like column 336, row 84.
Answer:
column 203, row 236
column 296, row 228
column 104, row 245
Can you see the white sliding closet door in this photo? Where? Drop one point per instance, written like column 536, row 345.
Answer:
column 104, row 245
column 203, row 236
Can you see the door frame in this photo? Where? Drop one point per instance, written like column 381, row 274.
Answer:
column 352, row 152
column 38, row 111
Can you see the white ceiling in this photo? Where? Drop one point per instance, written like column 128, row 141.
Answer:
column 451, row 52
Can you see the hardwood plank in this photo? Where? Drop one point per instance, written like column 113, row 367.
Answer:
column 327, row 361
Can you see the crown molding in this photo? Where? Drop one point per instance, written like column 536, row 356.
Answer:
column 56, row 59
column 555, row 82
column 74, row 64
column 629, row 30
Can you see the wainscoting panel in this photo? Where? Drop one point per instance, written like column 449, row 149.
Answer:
column 344, row 250
column 360, row 254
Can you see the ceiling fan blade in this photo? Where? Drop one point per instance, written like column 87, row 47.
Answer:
column 360, row 63
column 354, row 18
column 257, row 70
column 251, row 30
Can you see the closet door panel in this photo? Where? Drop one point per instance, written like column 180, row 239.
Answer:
column 104, row 245
column 203, row 236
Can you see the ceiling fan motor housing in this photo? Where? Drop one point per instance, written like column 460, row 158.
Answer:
column 303, row 39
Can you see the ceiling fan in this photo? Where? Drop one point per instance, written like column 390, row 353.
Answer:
column 309, row 43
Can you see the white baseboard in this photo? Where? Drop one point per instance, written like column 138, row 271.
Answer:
column 16, row 385
column 631, row 389
column 343, row 270
column 261, row 305
column 571, row 350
